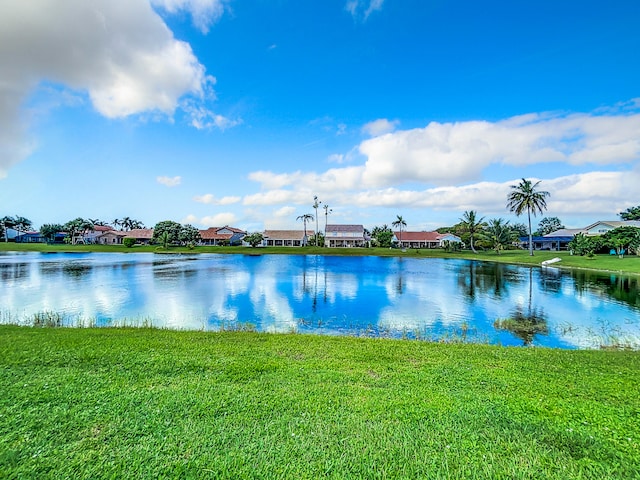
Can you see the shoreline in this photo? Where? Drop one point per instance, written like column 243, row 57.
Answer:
column 629, row 265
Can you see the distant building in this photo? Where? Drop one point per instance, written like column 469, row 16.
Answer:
column 345, row 236
column 425, row 239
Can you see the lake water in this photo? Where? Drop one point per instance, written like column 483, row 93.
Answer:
column 442, row 299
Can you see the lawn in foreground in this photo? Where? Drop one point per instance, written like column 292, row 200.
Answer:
column 140, row 403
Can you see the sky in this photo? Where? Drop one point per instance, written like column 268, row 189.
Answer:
column 231, row 112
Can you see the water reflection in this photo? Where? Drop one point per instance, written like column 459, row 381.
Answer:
column 328, row 295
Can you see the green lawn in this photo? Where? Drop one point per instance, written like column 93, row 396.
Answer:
column 140, row 403
column 628, row 264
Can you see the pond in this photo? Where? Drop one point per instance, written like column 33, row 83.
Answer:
column 435, row 299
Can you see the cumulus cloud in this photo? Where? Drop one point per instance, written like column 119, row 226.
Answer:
column 211, row 199
column 379, row 127
column 169, row 181
column 284, row 212
column 219, row 220
column 450, row 162
column 119, row 52
column 443, row 153
column 204, row 13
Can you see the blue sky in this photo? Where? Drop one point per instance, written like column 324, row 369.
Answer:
column 216, row 112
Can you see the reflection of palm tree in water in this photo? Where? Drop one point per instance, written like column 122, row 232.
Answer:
column 400, row 282
column 482, row 278
column 311, row 289
column 525, row 324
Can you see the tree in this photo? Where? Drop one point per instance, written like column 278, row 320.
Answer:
column 548, row 225
column 171, row 228
column 6, row 222
column 189, row 235
column 327, row 211
column 525, row 197
column 399, row 223
column 631, row 213
column 519, row 229
column 21, row 224
column 316, row 204
column 499, row 234
column 382, row 236
column 77, row 227
column 469, row 223
column 582, row 245
column 254, row 239
column 316, row 240
column 307, row 217
column 49, row 231
column 621, row 239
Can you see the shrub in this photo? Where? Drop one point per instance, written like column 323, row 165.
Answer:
column 129, row 242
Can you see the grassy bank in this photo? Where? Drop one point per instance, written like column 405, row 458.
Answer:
column 610, row 263
column 139, row 403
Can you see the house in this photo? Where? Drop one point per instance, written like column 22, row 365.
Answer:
column 424, row 239
column 559, row 240
column 602, row 227
column 283, row 238
column 112, row 237
column 36, row 237
column 345, row 236
column 141, row 235
column 221, row 236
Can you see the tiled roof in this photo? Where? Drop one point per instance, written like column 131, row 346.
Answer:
column 102, row 228
column 345, row 228
column 211, row 233
column 117, row 233
column 283, row 234
column 146, row 233
column 419, row 236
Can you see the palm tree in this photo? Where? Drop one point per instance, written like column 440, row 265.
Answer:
column 524, row 197
column 307, row 217
column 327, row 211
column 22, row 224
column 399, row 223
column 470, row 224
column 316, row 204
column 499, row 233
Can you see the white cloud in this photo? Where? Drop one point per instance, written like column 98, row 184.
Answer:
column 361, row 9
column 459, row 152
column 212, row 200
column 219, row 220
column 284, row 212
column 379, row 127
column 119, row 52
column 169, row 181
column 204, row 13
column 204, row 119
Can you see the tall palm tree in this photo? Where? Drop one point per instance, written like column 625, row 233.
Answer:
column 525, row 197
column 316, row 204
column 307, row 217
column 470, row 224
column 399, row 223
column 327, row 211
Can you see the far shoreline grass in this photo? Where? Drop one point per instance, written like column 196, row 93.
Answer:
column 150, row 403
column 630, row 264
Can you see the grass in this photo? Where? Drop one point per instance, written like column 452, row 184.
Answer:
column 145, row 403
column 611, row 263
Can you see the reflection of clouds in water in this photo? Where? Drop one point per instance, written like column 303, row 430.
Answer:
column 332, row 295
column 271, row 305
column 420, row 305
